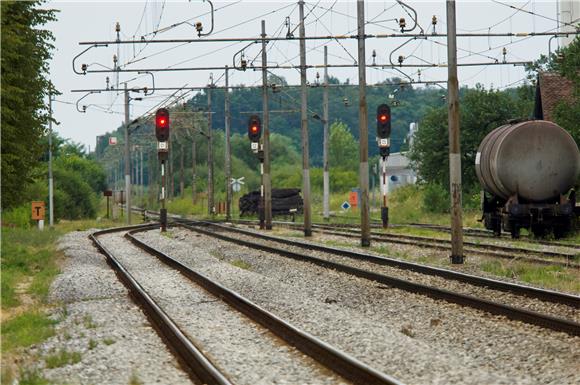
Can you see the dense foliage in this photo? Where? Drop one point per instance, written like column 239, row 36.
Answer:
column 480, row 111
column 565, row 62
column 26, row 49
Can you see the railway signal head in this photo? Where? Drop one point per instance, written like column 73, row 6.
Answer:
column 162, row 124
column 383, row 121
column 254, row 128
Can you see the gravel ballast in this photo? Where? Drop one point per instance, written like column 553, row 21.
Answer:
column 414, row 338
column 244, row 351
column 545, row 307
column 101, row 326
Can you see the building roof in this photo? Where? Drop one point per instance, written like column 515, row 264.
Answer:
column 553, row 88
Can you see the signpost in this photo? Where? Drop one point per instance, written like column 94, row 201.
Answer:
column 112, row 140
column 237, row 184
column 108, row 194
column 38, row 212
column 345, row 205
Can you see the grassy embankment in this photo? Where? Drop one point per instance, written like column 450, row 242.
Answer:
column 29, row 263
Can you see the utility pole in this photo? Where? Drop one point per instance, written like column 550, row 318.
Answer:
column 193, row 168
column 142, row 185
column 325, row 143
column 267, row 181
column 181, row 171
column 228, row 163
column 363, row 129
column 127, row 160
column 209, row 154
column 50, row 180
column 304, row 126
column 454, row 144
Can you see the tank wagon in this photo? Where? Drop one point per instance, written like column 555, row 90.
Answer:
column 527, row 171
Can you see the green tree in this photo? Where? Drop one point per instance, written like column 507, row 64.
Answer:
column 343, row 152
column 26, row 49
column 480, row 111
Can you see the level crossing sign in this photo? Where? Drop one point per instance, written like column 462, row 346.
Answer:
column 237, row 184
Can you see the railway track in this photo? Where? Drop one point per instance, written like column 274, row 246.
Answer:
column 243, row 237
column 471, row 248
column 200, row 367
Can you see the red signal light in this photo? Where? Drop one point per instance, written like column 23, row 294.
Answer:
column 254, row 129
column 162, row 124
column 383, row 118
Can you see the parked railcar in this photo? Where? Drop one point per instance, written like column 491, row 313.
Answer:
column 528, row 170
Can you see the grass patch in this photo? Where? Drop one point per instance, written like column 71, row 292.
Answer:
column 108, row 341
column 556, row 277
column 135, row 380
column 88, row 322
column 25, row 330
column 25, row 253
column 92, row 344
column 32, row 377
column 241, row 264
column 62, row 358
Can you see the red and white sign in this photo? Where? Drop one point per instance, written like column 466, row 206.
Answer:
column 112, row 140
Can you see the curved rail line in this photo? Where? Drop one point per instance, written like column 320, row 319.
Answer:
column 196, row 364
column 495, row 251
column 335, row 360
column 530, row 317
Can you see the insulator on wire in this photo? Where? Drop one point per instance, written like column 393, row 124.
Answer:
column 401, row 59
column 84, row 68
column 117, row 27
column 374, row 57
column 198, row 28
column 504, row 52
column 402, row 24
column 434, row 20
column 419, row 74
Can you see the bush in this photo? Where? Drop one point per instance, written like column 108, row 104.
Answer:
column 17, row 217
column 435, row 199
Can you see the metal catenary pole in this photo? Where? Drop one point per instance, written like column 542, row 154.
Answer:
column 50, row 179
column 266, row 142
column 454, row 144
column 210, row 205
column 127, row 160
column 304, row 126
column 363, row 129
column 193, row 168
column 325, row 143
column 228, row 160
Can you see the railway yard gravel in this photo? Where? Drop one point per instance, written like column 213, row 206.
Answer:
column 100, row 322
column 438, row 258
column 247, row 353
column 558, row 310
column 411, row 337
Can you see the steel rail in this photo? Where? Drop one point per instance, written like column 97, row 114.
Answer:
column 424, row 241
column 488, row 234
column 528, row 291
column 496, row 251
column 527, row 316
column 197, row 365
column 335, row 360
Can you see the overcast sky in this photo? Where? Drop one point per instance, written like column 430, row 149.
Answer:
column 95, row 21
